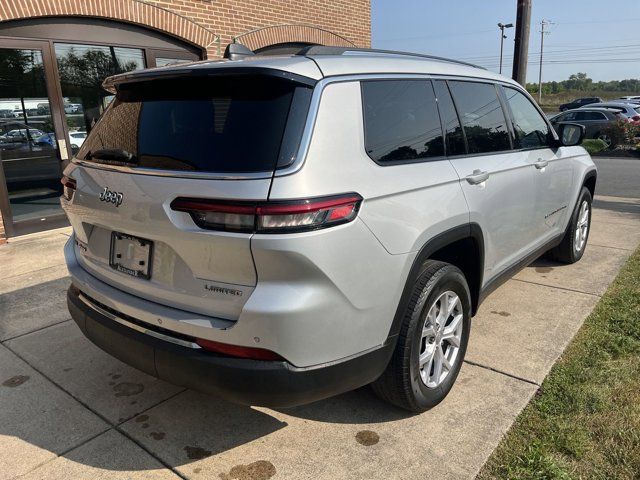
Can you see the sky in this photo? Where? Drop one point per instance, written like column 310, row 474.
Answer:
column 598, row 37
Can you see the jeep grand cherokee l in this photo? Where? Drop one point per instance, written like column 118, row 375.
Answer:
column 277, row 230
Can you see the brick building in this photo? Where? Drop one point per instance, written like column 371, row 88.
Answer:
column 54, row 55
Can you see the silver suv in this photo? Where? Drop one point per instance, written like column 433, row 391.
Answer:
column 277, row 230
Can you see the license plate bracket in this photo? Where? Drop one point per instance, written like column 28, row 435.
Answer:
column 131, row 255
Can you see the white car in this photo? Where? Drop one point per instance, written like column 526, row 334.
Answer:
column 77, row 139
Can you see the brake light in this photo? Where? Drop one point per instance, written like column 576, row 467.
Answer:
column 271, row 217
column 238, row 351
column 635, row 118
column 69, row 187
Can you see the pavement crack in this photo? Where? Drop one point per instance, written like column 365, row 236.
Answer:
column 609, row 246
column 557, row 287
column 510, row 375
column 34, row 331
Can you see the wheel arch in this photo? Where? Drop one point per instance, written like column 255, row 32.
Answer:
column 462, row 246
column 590, row 181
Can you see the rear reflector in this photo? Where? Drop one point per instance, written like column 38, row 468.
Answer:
column 237, row 351
column 271, row 217
column 69, row 187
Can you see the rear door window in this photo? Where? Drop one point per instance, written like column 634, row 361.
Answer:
column 231, row 124
column 482, row 116
column 401, row 121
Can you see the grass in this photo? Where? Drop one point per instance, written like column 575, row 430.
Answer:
column 594, row 145
column 584, row 422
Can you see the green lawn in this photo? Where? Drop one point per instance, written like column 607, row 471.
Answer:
column 584, row 422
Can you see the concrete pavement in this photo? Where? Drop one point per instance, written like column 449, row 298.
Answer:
column 71, row 411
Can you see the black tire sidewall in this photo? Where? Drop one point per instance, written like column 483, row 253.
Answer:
column 448, row 278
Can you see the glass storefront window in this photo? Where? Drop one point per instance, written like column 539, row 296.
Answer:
column 28, row 152
column 82, row 70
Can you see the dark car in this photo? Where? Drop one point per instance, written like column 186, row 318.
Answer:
column 579, row 102
column 594, row 119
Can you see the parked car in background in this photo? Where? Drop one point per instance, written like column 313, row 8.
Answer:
column 73, row 108
column 77, row 139
column 579, row 102
column 632, row 97
column 44, row 109
column 238, row 240
column 629, row 110
column 595, row 121
column 21, row 134
column 47, row 139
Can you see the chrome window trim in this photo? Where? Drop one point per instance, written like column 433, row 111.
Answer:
column 324, row 82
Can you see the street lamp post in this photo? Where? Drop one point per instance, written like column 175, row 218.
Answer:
column 502, row 26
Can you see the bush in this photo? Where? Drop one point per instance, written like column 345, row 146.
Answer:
column 621, row 132
column 594, row 145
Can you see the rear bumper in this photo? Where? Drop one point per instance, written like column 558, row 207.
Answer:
column 249, row 382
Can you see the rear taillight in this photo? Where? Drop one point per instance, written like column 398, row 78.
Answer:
column 270, row 217
column 635, row 118
column 238, row 351
column 69, row 187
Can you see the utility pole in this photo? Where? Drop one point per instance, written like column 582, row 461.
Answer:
column 521, row 49
column 502, row 26
column 543, row 24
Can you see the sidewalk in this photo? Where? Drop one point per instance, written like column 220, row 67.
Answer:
column 71, row 411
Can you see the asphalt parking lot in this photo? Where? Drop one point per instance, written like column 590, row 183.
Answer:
column 68, row 410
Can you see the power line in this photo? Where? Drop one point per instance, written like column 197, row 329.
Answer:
column 587, row 49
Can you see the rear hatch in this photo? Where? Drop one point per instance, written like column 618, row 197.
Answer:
column 217, row 135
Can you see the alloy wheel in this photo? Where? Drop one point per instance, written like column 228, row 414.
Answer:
column 582, row 227
column 441, row 338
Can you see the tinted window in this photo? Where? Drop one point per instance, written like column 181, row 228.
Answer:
column 590, row 116
column 228, row 125
column 401, row 120
column 454, row 138
column 482, row 117
column 530, row 128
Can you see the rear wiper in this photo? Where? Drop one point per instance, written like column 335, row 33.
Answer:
column 114, row 156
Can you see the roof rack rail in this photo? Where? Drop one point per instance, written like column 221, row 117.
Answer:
column 327, row 50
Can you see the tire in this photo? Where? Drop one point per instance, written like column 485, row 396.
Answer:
column 404, row 383
column 571, row 248
column 606, row 139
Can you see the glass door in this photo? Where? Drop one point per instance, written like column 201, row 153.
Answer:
column 29, row 128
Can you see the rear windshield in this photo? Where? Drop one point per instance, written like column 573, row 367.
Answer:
column 226, row 124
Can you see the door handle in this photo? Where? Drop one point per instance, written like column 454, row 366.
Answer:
column 540, row 164
column 477, row 177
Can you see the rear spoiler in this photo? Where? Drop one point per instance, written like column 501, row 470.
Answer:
column 112, row 83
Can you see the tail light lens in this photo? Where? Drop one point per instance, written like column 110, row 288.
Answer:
column 635, row 118
column 69, row 187
column 271, row 217
column 238, row 351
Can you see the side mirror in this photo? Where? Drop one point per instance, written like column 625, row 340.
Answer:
column 571, row 134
